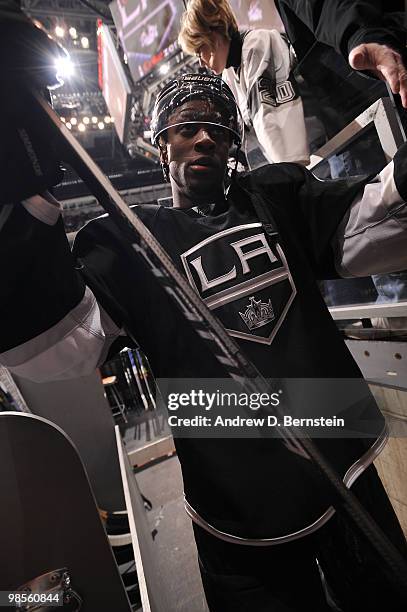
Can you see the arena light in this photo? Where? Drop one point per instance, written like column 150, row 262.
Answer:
column 94, row 119
column 81, row 127
column 59, row 31
column 86, row 120
column 107, row 119
column 65, row 67
column 74, row 121
column 164, row 68
column 73, row 33
column 101, row 125
column 85, row 42
column 68, row 125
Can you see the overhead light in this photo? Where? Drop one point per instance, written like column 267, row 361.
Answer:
column 94, row 119
column 74, row 120
column 64, row 66
column 164, row 68
column 85, row 42
column 86, row 120
column 107, row 119
column 81, row 127
column 73, row 33
column 59, row 31
column 68, row 125
column 101, row 125
column 62, row 119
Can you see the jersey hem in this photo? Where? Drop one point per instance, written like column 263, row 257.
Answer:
column 349, row 479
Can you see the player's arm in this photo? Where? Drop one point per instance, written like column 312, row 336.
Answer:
column 372, row 236
column 346, row 227
column 51, row 324
column 275, row 108
column 341, row 24
column 359, row 30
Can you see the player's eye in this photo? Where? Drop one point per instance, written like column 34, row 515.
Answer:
column 217, row 131
column 187, row 130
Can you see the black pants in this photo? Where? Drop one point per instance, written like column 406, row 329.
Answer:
column 286, row 577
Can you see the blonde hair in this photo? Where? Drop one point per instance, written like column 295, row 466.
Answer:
column 201, row 19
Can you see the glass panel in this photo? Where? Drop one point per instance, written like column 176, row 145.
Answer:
column 363, row 155
column 333, row 97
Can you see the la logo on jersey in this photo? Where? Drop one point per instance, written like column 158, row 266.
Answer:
column 244, row 279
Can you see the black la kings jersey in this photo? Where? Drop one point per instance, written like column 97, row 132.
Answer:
column 260, row 280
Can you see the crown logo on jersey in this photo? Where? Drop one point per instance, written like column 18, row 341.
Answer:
column 257, row 313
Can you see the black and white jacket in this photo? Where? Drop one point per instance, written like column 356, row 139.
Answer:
column 259, row 72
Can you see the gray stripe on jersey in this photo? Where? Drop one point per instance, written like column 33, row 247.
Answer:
column 372, row 236
column 75, row 346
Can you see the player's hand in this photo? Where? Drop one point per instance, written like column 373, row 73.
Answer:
column 385, row 63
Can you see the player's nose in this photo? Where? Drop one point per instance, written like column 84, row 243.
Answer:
column 204, row 139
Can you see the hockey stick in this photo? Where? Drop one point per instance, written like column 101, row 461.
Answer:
column 210, row 330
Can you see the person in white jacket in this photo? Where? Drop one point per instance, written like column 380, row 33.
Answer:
column 257, row 66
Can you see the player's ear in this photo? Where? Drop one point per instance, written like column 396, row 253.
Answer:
column 162, row 145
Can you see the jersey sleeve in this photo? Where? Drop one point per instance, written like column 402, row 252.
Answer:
column 275, row 108
column 306, row 210
column 115, row 274
column 39, row 284
column 61, row 312
column 372, row 236
column 45, row 308
column 346, row 227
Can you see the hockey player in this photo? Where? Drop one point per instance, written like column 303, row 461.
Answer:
column 261, row 517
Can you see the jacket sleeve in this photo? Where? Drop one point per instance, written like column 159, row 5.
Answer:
column 275, row 108
column 51, row 324
column 343, row 24
column 372, row 237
